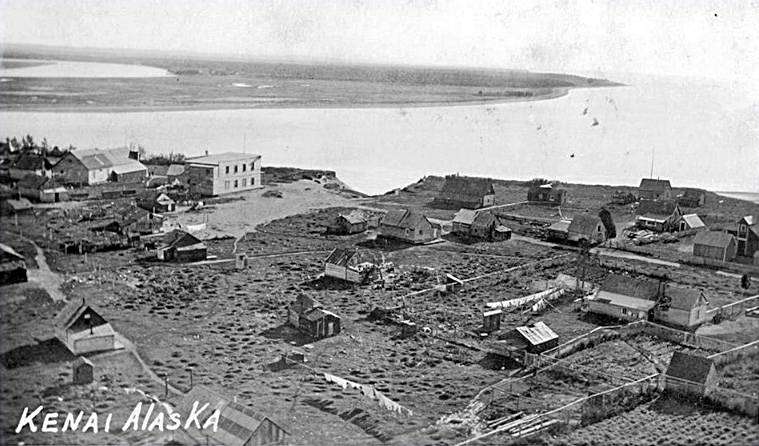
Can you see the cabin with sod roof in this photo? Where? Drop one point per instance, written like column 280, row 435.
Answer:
column 689, row 375
column 715, row 245
column 238, row 425
column 546, row 194
column 465, row 192
column 42, row 189
column 657, row 215
column 83, row 330
column 181, row 246
column 407, row 226
column 654, row 189
column 12, row 266
column 30, row 164
column 343, row 264
column 692, row 198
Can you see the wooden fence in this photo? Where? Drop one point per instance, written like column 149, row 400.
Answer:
column 735, row 354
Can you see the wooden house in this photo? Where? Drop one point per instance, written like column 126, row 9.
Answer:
column 689, row 375
column 156, row 202
column 681, row 306
column 94, row 166
column 462, row 222
column 12, row 266
column 692, row 198
column 491, row 320
column 479, row 224
column 83, row 371
column 559, row 231
column 466, row 192
column 176, row 174
column 657, row 215
column 546, row 194
column 654, row 189
column 30, row 164
column 343, row 264
column 689, row 222
column 12, row 206
column 407, row 226
column 748, row 235
column 181, row 246
column 625, row 298
column 534, row 338
column 352, row 223
column 42, row 189
column 238, row 424
column 715, row 245
column 586, row 228
column 83, row 330
column 309, row 317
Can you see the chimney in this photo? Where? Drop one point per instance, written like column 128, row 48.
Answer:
column 206, row 152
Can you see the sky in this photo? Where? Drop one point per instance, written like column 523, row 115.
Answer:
column 695, row 38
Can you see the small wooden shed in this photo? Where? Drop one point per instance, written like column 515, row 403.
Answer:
column 689, row 375
column 491, row 321
column 83, row 371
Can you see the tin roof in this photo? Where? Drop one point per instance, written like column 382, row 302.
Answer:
column 693, row 221
column 465, row 216
column 621, row 300
column 537, row 333
column 218, row 158
column 237, row 423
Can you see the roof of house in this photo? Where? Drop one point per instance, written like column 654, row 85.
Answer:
column 466, row 189
column 71, row 312
column 656, row 208
column 622, row 300
column 20, row 204
column 537, row 333
column 175, row 170
column 303, row 303
column 465, row 216
column 177, row 238
column 689, row 367
column 10, row 252
column 314, row 314
column 654, row 185
column 584, row 224
column 218, row 158
column 560, row 226
column 81, row 361
column 693, row 221
column 628, row 286
column 340, row 256
column 31, row 161
column 404, row 219
column 237, row 423
column 750, row 219
column 684, row 298
column 32, row 181
column 536, row 188
column 692, row 193
column 716, row 239
column 483, row 219
column 116, row 159
column 355, row 217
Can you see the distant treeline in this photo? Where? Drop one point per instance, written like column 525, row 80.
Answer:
column 27, row 144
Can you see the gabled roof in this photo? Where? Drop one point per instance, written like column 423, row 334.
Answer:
column 466, row 189
column 175, row 170
column 622, row 300
column 537, row 333
column 650, row 184
column 657, row 208
column 355, row 217
column 689, row 367
column 218, row 158
column 178, row 238
column 128, row 166
column 404, row 219
column 465, row 216
column 584, row 224
column 71, row 312
column 693, row 193
column 484, row 219
column 237, row 423
column 714, row 239
column 32, row 181
column 749, row 220
column 340, row 256
column 628, row 286
column 693, row 221
column 314, row 314
column 116, row 159
column 30, row 161
column 684, row 298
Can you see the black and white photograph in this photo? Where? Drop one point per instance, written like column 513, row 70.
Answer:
column 379, row 222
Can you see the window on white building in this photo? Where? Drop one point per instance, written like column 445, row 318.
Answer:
column 244, row 166
column 235, row 184
column 244, row 181
column 235, row 168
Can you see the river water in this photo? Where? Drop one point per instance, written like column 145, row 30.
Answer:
column 698, row 133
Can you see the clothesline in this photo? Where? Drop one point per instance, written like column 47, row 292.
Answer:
column 370, row 392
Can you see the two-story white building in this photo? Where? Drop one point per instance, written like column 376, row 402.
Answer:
column 224, row 173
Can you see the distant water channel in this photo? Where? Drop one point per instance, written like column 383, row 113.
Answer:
column 698, row 133
column 70, row 69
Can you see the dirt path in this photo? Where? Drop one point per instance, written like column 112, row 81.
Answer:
column 43, row 276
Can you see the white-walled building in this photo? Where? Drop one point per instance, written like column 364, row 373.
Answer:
column 224, row 173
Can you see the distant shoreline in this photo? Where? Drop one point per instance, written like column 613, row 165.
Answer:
column 554, row 94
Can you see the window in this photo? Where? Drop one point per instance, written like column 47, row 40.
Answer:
column 253, row 165
column 226, row 170
column 624, row 310
column 235, row 184
column 244, row 181
column 253, row 181
column 226, row 185
column 235, row 168
column 244, row 166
